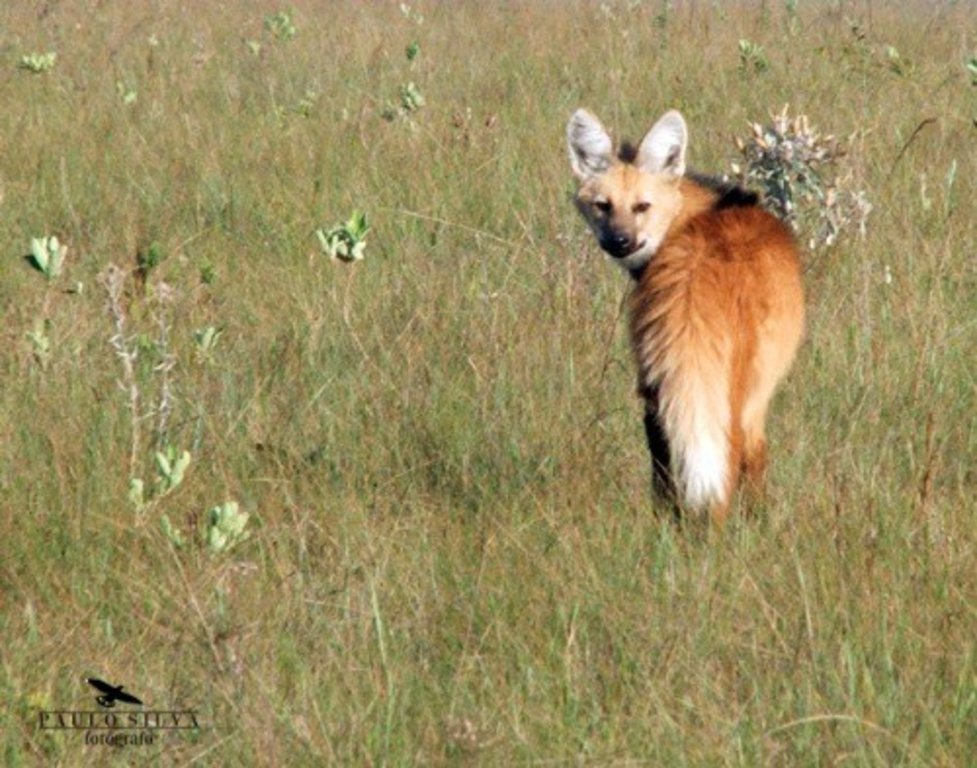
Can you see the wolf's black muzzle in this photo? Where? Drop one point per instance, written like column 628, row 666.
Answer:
column 617, row 244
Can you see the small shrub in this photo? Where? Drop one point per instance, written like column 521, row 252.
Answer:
column 226, row 527
column 411, row 99
column 127, row 94
column 897, row 63
column 47, row 256
column 40, row 340
column 206, row 340
column 345, row 242
column 147, row 259
column 793, row 166
column 281, row 25
column 171, row 466
column 38, row 63
column 752, row 57
column 307, row 104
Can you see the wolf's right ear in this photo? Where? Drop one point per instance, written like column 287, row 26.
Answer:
column 590, row 146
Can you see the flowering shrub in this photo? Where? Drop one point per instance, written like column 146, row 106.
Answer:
column 796, row 169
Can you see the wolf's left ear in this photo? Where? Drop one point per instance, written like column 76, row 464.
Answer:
column 662, row 149
column 589, row 145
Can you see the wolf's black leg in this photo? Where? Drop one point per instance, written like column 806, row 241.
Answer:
column 662, row 483
column 661, row 475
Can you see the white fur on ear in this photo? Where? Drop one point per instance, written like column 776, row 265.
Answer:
column 662, row 149
column 590, row 146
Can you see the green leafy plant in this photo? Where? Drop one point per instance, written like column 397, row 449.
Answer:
column 281, row 25
column 972, row 69
column 410, row 14
column 137, row 493
column 37, row 63
column 752, row 57
column 225, row 527
column 207, row 271
column 661, row 18
column 346, row 241
column 171, row 467
column 47, row 256
column 127, row 95
column 411, row 99
column 147, row 260
column 896, row 63
column 791, row 7
column 206, row 340
column 306, row 105
column 413, row 50
column 176, row 538
column 40, row 341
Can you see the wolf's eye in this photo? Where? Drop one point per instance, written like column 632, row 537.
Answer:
column 640, row 207
column 604, row 206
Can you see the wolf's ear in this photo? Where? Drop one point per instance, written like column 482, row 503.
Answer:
column 589, row 145
column 662, row 149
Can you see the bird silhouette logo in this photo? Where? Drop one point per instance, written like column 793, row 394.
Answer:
column 109, row 694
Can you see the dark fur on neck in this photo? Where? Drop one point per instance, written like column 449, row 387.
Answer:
column 728, row 193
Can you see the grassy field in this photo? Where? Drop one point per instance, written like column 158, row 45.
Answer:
column 451, row 555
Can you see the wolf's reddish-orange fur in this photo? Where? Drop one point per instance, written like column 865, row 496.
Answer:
column 717, row 309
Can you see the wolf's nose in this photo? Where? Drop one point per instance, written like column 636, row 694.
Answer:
column 617, row 244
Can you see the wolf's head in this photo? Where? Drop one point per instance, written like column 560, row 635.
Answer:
column 631, row 199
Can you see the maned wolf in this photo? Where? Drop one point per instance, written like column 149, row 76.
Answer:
column 717, row 308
